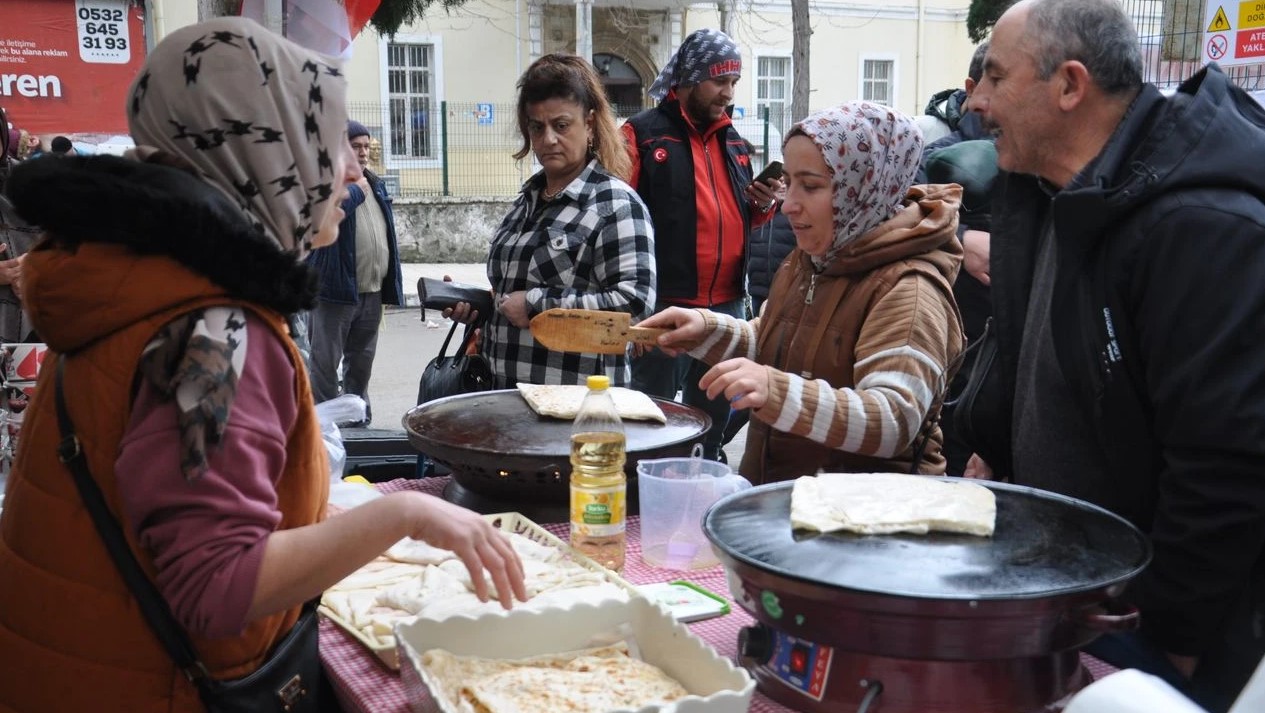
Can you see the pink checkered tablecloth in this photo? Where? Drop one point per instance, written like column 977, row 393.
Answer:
column 365, row 685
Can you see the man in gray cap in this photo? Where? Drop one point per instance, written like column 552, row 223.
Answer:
column 693, row 171
column 359, row 274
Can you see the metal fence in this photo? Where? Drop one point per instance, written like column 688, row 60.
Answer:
column 466, row 149
column 1172, row 37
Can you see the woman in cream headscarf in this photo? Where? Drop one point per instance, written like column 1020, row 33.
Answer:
column 163, row 282
column 844, row 369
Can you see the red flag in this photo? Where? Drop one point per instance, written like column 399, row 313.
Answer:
column 321, row 25
column 359, row 12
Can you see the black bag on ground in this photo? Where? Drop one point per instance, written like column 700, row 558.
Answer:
column 459, row 373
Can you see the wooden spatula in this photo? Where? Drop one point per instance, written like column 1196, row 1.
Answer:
column 589, row 331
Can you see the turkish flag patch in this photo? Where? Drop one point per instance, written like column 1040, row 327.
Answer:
column 660, row 155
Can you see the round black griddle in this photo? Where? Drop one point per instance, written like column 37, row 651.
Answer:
column 504, row 456
column 1044, row 544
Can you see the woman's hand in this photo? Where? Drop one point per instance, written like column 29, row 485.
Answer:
column 479, row 545
column 460, row 312
column 975, row 248
column 514, row 307
column 977, row 468
column 687, row 327
column 744, row 383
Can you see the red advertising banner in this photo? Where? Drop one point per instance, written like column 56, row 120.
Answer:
column 65, row 65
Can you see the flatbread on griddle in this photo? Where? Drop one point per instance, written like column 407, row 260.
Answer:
column 564, row 402
column 885, row 503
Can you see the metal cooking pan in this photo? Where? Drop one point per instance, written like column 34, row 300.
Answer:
column 503, row 454
column 1044, row 582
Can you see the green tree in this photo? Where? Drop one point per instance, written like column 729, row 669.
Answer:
column 982, row 16
column 394, row 14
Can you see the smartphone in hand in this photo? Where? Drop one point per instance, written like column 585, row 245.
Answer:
column 771, row 171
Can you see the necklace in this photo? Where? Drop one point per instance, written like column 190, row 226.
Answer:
column 545, row 194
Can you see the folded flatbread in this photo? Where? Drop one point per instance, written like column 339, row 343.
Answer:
column 884, row 503
column 564, row 402
column 589, row 681
column 413, row 579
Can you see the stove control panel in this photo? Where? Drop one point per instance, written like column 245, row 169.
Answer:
column 802, row 665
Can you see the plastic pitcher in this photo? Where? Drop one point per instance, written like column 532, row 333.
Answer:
column 675, row 493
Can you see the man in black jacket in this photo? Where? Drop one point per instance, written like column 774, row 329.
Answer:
column 1130, row 310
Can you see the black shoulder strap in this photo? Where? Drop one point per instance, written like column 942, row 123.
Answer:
column 153, row 606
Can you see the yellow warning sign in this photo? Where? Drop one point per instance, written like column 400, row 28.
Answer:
column 1221, row 23
column 1251, row 14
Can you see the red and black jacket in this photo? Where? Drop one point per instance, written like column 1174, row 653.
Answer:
column 701, row 215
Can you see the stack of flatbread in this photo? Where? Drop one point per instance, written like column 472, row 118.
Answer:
column 413, row 579
column 588, row 681
column 564, row 402
column 884, row 503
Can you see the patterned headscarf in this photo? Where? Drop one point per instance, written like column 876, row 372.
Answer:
column 705, row 54
column 262, row 120
column 260, row 117
column 873, row 153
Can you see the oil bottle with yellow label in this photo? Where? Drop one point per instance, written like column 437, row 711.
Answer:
column 598, row 484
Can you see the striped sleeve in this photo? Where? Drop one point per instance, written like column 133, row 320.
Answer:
column 903, row 353
column 727, row 338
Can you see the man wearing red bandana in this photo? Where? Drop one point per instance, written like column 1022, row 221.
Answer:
column 693, row 171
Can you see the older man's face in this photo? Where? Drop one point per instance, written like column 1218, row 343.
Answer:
column 360, row 145
column 1020, row 108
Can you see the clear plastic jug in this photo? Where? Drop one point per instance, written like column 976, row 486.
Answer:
column 675, row 494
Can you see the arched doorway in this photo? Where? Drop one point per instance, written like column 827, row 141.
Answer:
column 624, row 86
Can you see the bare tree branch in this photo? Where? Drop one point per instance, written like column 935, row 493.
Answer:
column 802, row 32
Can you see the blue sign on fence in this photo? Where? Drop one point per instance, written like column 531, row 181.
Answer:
column 483, row 114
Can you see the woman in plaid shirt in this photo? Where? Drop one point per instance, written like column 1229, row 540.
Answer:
column 577, row 236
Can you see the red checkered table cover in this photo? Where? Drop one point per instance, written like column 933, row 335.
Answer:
column 364, row 684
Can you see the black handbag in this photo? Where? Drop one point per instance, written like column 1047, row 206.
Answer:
column 289, row 679
column 460, row 373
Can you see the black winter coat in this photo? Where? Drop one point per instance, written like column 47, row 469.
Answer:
column 767, row 249
column 1158, row 322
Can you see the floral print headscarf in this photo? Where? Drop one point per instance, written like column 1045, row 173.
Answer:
column 873, row 152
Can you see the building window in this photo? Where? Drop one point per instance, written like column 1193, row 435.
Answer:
column 878, row 81
column 773, row 90
column 411, row 99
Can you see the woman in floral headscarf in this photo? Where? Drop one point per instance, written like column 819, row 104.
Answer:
column 845, row 368
column 163, row 284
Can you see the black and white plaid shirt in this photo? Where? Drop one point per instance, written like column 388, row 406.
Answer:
column 590, row 247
